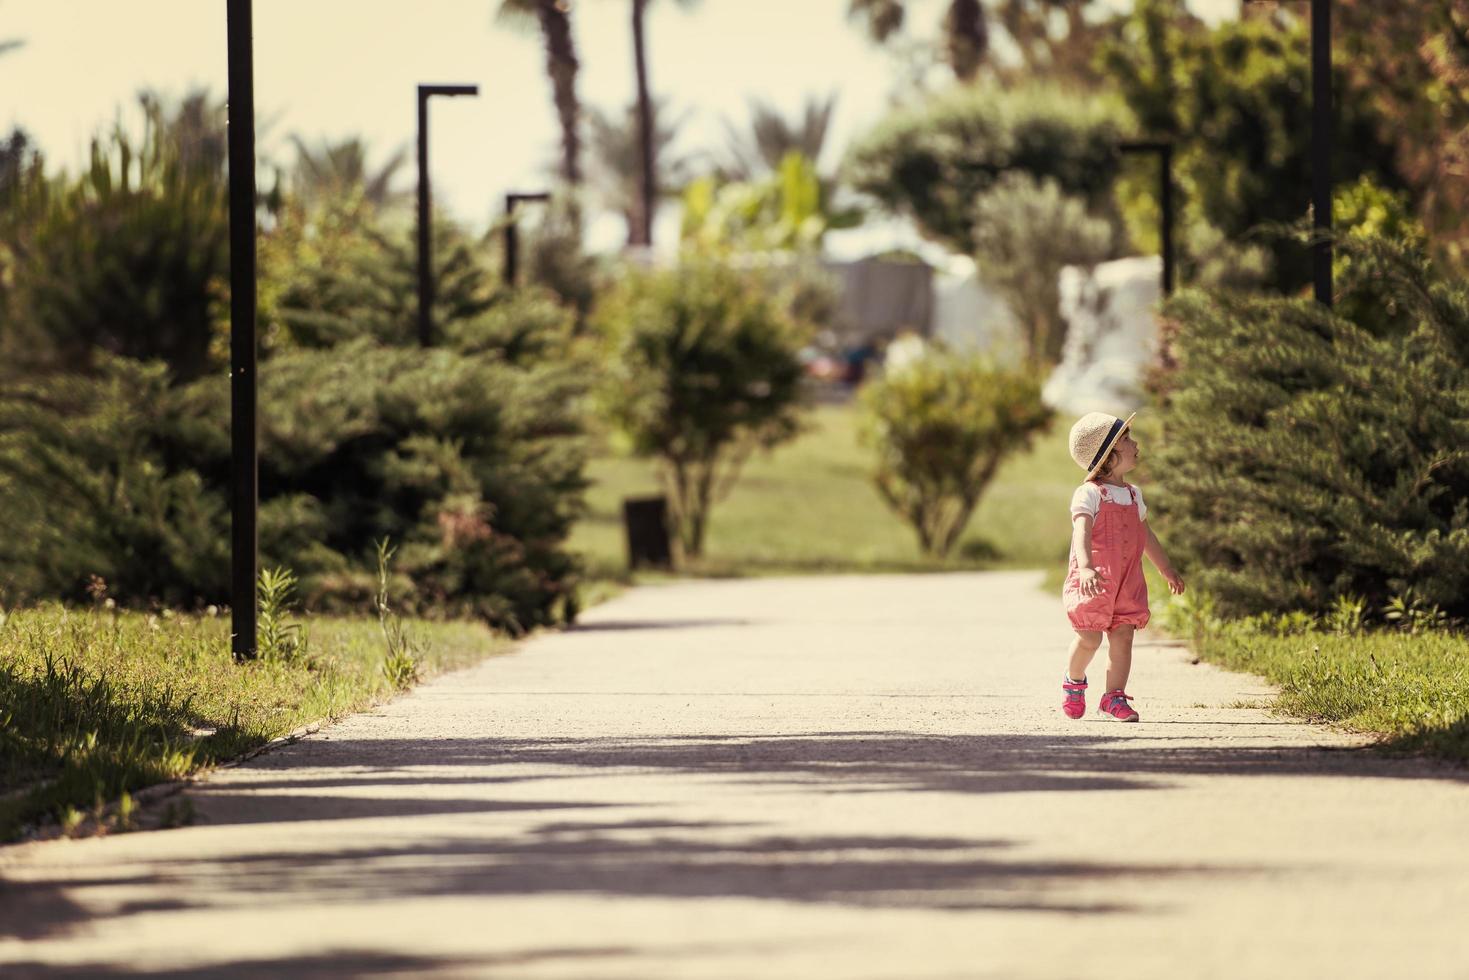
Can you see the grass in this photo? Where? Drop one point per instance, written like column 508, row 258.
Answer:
column 810, row 507
column 95, row 705
column 1410, row 689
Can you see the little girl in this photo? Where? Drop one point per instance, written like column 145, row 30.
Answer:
column 1105, row 591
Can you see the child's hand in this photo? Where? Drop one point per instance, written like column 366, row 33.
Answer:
column 1175, row 581
column 1090, row 582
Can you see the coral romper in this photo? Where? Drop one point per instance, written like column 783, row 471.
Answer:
column 1118, row 536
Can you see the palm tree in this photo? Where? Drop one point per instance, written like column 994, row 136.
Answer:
column 770, row 138
column 647, row 144
column 617, row 162
column 554, row 21
column 966, row 29
column 339, row 171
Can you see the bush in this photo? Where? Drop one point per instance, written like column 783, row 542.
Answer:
column 703, row 368
column 935, row 162
column 473, row 463
column 941, row 426
column 1309, row 455
column 130, row 258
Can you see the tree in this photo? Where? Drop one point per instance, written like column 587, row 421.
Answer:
column 933, row 162
column 1053, row 39
column 966, row 29
column 648, row 143
column 337, row 174
column 617, row 161
column 1412, row 62
column 1234, row 102
column 941, row 426
column 554, row 21
column 771, row 138
column 703, row 368
column 1024, row 232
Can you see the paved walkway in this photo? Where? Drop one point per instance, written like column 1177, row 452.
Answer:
column 837, row 777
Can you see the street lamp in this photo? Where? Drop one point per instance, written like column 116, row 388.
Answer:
column 245, row 487
column 1320, row 147
column 511, row 200
column 425, row 282
column 1164, row 150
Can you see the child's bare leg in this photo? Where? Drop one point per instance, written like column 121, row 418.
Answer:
column 1083, row 648
column 1119, row 657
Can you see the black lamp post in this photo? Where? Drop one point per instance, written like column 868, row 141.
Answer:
column 1320, row 147
column 244, row 493
column 1164, row 150
column 511, row 239
column 425, row 281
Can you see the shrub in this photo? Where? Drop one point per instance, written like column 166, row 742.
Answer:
column 703, row 368
column 934, row 162
column 941, row 426
column 1310, row 455
column 130, row 257
column 473, row 463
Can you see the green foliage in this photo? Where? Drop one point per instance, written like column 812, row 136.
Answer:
column 556, row 261
column 763, row 149
column 277, row 638
column 334, row 272
column 941, row 426
column 93, row 482
column 1347, row 615
column 1311, row 455
column 1024, row 232
column 400, row 660
column 790, row 210
column 1411, row 612
column 129, row 258
column 702, row 369
column 936, row 161
column 114, row 452
column 1234, row 100
column 472, row 458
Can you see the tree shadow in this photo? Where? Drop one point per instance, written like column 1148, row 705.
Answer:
column 318, row 966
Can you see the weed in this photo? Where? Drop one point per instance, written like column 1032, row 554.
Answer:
column 400, row 663
column 276, row 638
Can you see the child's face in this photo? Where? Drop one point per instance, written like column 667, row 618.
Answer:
column 1127, row 454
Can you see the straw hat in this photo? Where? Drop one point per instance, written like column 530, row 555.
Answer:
column 1092, row 439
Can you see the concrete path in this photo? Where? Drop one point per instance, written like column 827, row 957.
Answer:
column 838, row 777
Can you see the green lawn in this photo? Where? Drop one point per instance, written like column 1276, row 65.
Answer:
column 810, row 506
column 95, row 705
column 1411, row 690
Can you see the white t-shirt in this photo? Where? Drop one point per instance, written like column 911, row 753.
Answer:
column 1089, row 496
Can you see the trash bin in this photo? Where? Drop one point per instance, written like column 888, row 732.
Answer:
column 646, row 520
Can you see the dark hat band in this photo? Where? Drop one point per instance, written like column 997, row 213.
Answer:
column 1106, row 445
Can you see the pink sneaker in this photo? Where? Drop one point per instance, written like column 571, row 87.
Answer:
column 1114, row 703
column 1075, row 703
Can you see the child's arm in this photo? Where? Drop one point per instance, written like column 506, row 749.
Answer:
column 1089, row 580
column 1154, row 550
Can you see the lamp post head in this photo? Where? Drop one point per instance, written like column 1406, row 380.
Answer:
column 514, row 198
column 424, row 91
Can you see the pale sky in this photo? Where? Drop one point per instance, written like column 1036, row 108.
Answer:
column 339, row 68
